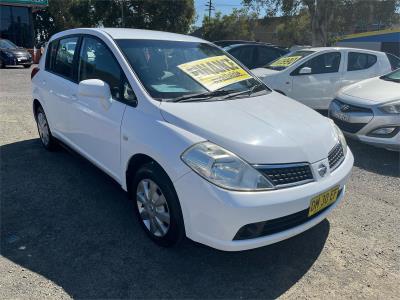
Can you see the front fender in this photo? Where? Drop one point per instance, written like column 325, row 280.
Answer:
column 164, row 142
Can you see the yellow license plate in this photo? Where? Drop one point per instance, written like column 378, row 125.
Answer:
column 323, row 200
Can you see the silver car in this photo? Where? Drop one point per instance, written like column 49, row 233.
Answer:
column 370, row 111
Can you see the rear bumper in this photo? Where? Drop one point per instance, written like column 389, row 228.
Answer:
column 14, row 61
column 214, row 216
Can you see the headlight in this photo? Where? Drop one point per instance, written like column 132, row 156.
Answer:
column 341, row 138
column 391, row 108
column 224, row 168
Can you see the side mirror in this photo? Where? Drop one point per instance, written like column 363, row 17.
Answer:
column 96, row 88
column 305, row 70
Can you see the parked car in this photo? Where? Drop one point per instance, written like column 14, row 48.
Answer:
column 313, row 76
column 225, row 43
column 203, row 148
column 10, row 54
column 255, row 55
column 370, row 111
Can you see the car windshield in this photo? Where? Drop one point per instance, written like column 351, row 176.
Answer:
column 394, row 76
column 287, row 60
column 6, row 44
column 172, row 69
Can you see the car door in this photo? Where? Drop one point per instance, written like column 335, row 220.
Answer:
column 317, row 88
column 360, row 66
column 59, row 85
column 96, row 128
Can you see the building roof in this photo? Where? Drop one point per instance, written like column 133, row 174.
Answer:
column 388, row 35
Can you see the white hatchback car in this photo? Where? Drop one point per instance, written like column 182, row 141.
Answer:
column 370, row 111
column 203, row 148
column 313, row 76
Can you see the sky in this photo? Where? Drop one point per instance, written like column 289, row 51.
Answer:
column 224, row 6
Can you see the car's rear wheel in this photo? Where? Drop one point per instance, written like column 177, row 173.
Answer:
column 27, row 66
column 157, row 205
column 47, row 139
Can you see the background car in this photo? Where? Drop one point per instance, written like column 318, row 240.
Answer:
column 10, row 54
column 313, row 76
column 255, row 55
column 370, row 111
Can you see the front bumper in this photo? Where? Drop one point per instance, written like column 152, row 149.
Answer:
column 213, row 216
column 359, row 125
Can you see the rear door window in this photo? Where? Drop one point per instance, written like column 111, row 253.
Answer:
column 360, row 61
column 266, row 55
column 64, row 57
column 245, row 55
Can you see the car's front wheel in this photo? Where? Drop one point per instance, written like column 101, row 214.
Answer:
column 157, row 205
column 44, row 131
column 27, row 66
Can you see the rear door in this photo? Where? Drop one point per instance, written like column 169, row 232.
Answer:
column 318, row 88
column 360, row 66
column 59, row 83
column 96, row 130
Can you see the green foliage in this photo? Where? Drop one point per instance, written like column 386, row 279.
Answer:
column 171, row 15
column 296, row 31
column 330, row 18
column 237, row 25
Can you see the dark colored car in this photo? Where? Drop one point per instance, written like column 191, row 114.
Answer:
column 255, row 55
column 10, row 54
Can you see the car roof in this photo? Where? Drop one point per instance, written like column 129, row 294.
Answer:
column 135, row 34
column 319, row 49
column 230, row 47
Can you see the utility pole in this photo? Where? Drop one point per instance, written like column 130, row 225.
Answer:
column 122, row 14
column 209, row 7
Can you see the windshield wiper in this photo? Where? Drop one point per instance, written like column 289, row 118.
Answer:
column 249, row 91
column 201, row 96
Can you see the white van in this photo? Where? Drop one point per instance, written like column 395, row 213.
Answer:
column 313, row 76
column 204, row 149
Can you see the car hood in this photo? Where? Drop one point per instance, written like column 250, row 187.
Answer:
column 262, row 130
column 264, row 72
column 373, row 91
column 16, row 51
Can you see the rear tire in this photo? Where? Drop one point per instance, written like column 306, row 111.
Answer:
column 27, row 66
column 157, row 205
column 47, row 139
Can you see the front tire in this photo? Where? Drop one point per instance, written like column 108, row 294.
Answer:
column 27, row 66
column 47, row 139
column 157, row 206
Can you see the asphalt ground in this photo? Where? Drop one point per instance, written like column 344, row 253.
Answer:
column 68, row 230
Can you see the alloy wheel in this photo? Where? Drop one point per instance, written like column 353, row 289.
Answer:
column 43, row 127
column 153, row 207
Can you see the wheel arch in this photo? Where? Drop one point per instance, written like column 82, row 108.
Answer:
column 35, row 105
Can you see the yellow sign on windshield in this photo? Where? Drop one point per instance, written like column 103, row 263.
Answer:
column 215, row 72
column 285, row 61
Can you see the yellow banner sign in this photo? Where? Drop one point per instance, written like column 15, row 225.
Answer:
column 285, row 61
column 215, row 72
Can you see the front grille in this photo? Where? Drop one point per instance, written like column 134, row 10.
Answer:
column 348, row 127
column 288, row 174
column 335, row 156
column 269, row 227
column 345, row 107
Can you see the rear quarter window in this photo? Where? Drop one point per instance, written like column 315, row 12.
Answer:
column 394, row 61
column 360, row 61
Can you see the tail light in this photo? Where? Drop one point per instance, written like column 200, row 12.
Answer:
column 35, row 70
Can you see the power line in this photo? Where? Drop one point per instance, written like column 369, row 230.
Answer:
column 209, row 7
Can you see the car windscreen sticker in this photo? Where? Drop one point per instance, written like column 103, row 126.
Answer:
column 285, row 61
column 215, row 72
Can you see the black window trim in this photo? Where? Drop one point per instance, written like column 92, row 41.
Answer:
column 358, row 52
column 296, row 71
column 122, row 72
column 74, row 65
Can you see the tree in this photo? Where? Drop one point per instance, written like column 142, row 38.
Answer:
column 237, row 25
column 172, row 15
column 328, row 17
